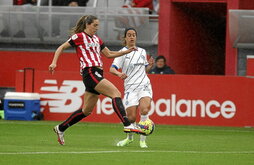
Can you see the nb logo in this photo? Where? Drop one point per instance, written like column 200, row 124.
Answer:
column 63, row 99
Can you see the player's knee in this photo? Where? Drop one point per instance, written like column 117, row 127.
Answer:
column 132, row 118
column 144, row 111
column 116, row 93
column 86, row 111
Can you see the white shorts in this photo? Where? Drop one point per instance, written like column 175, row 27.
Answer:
column 131, row 98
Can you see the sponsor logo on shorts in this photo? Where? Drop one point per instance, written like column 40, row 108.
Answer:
column 97, row 74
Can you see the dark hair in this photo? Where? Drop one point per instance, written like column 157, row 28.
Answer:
column 125, row 33
column 160, row 57
column 81, row 24
column 127, row 29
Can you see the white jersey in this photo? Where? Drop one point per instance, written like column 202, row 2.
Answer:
column 133, row 65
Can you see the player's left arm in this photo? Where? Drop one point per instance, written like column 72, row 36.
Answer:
column 149, row 66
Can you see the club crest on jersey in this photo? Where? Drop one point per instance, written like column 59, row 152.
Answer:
column 131, row 66
column 74, row 37
column 143, row 57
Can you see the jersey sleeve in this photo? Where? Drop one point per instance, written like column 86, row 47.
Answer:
column 102, row 45
column 145, row 55
column 117, row 63
column 76, row 40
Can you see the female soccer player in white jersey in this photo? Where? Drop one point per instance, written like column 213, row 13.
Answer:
column 88, row 48
column 137, row 87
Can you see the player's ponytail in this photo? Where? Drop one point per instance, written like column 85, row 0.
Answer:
column 81, row 24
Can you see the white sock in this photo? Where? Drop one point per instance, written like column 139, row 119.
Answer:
column 142, row 138
column 144, row 117
column 130, row 136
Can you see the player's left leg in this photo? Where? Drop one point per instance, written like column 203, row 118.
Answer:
column 144, row 106
column 131, row 114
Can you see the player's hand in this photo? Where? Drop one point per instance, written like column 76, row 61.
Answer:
column 52, row 68
column 122, row 76
column 133, row 48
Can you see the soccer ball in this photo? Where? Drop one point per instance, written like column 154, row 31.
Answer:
column 147, row 126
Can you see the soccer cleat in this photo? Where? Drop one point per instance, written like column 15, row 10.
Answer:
column 124, row 142
column 132, row 128
column 60, row 135
column 143, row 144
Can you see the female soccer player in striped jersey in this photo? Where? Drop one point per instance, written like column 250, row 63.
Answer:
column 88, row 48
column 137, row 86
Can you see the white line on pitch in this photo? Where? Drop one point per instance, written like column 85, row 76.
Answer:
column 118, row 151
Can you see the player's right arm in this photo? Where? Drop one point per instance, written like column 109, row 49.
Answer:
column 114, row 71
column 58, row 52
column 115, row 67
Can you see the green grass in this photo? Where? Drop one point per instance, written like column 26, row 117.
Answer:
column 34, row 143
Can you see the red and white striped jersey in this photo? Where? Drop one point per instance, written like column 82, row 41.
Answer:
column 88, row 49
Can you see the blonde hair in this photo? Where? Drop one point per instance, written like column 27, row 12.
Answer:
column 81, row 24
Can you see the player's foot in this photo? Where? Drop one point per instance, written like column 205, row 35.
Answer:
column 124, row 142
column 60, row 135
column 133, row 128
column 143, row 144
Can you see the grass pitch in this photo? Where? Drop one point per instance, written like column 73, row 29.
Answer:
column 34, row 142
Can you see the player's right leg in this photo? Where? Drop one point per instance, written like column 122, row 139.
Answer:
column 106, row 88
column 90, row 99
column 126, row 141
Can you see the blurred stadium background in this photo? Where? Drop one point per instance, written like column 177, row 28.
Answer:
column 209, row 44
